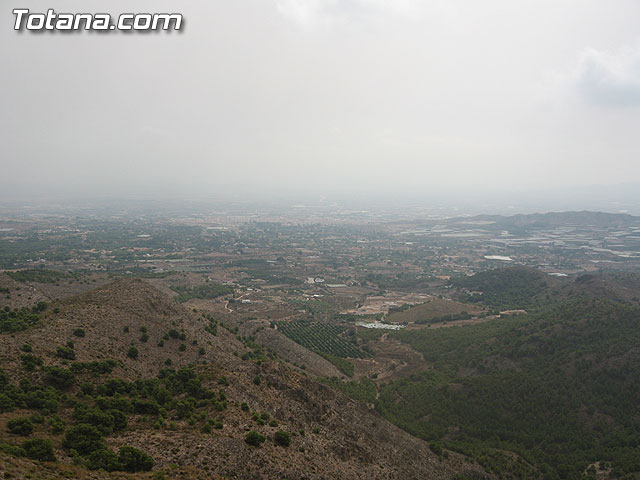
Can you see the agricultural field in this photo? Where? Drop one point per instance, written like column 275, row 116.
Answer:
column 433, row 309
column 321, row 337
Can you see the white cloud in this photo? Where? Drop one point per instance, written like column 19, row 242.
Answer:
column 314, row 13
column 610, row 79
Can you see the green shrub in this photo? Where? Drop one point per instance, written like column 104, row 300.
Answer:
column 282, row 438
column 104, row 459
column 83, row 438
column 12, row 450
column 79, row 332
column 20, row 426
column 39, row 449
column 16, row 320
column 254, row 438
column 6, row 403
column 184, row 408
column 87, row 388
column 37, row 418
column 57, row 425
column 103, row 421
column 119, row 420
column 94, row 367
column 113, row 387
column 45, row 400
column 40, row 307
column 146, row 407
column 134, row 460
column 114, row 402
column 176, row 335
column 132, row 353
column 30, row 361
column 66, row 353
column 58, row 377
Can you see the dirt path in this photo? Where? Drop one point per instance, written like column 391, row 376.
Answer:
column 226, row 304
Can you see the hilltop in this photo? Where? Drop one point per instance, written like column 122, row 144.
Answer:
column 522, row 287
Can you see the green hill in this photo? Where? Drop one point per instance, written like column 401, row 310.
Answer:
column 508, row 288
column 559, row 388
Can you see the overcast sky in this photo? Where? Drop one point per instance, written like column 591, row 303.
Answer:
column 325, row 95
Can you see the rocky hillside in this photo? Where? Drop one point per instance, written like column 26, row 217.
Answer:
column 125, row 365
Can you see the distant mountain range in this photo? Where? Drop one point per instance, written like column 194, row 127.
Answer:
column 541, row 221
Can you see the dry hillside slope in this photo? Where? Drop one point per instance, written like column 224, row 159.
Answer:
column 331, row 435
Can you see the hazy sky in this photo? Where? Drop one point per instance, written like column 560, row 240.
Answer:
column 325, row 95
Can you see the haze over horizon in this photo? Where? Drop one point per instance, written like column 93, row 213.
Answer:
column 329, row 97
